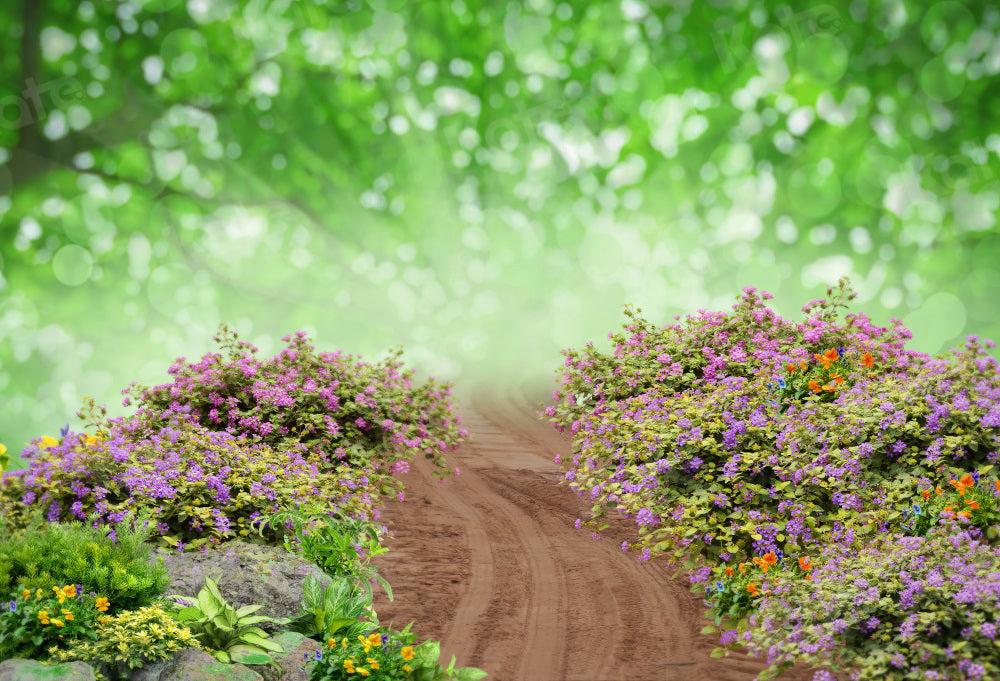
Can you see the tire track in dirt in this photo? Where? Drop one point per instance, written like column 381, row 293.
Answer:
column 490, row 564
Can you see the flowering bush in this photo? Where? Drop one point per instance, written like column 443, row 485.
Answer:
column 199, row 486
column 36, row 622
column 745, row 443
column 898, row 608
column 369, row 416
column 708, row 464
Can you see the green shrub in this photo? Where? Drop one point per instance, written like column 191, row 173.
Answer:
column 113, row 563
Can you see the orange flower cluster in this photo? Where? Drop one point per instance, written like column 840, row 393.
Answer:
column 766, row 561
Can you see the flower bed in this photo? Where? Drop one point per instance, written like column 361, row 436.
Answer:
column 295, row 451
column 750, row 448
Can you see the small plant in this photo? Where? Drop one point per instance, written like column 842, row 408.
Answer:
column 382, row 656
column 227, row 633
column 128, row 641
column 110, row 560
column 335, row 543
column 334, row 610
column 33, row 622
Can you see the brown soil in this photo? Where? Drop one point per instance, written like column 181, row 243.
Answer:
column 490, row 564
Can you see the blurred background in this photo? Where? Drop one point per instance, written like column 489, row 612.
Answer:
column 482, row 182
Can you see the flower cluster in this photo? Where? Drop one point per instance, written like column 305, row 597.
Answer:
column 35, row 623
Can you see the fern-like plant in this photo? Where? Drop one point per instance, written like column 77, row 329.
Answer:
column 112, row 562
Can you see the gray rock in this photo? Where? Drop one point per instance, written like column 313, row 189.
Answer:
column 31, row 670
column 247, row 574
column 197, row 665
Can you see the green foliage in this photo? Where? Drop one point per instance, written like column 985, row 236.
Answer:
column 128, row 641
column 35, row 623
column 118, row 569
column 335, row 543
column 227, row 633
column 335, row 609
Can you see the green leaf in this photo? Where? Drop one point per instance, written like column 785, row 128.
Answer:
column 267, row 644
column 709, row 629
column 249, row 655
column 248, row 610
column 470, row 674
column 717, row 652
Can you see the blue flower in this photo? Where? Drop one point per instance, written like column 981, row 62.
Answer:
column 64, row 431
column 916, row 509
column 319, row 654
column 13, row 606
column 975, row 476
column 385, row 639
column 781, row 383
column 305, row 657
column 720, row 587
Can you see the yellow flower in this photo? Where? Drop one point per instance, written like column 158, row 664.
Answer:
column 331, row 643
column 58, row 623
column 69, row 591
column 374, row 664
column 375, row 640
column 49, row 442
column 407, row 652
column 102, row 604
column 363, row 671
column 68, row 615
column 43, row 613
column 38, row 594
column 407, row 668
column 26, row 594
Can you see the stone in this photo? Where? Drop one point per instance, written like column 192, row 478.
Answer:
column 296, row 645
column 196, row 665
column 31, row 670
column 247, row 574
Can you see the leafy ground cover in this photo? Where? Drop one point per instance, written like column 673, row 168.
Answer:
column 798, row 473
column 294, row 451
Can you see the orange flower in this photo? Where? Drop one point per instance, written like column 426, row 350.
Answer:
column 824, row 360
column 802, row 363
column 809, row 577
column 829, row 388
column 729, row 571
column 997, row 483
column 752, row 589
column 926, row 493
column 761, row 564
column 971, row 504
column 867, row 360
column 967, row 480
column 814, row 386
column 964, row 514
column 938, row 490
column 790, row 367
column 770, row 558
column 102, row 604
column 743, row 568
column 831, row 354
column 838, row 378
column 804, row 564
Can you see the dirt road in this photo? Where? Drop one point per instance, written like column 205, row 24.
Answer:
column 490, row 564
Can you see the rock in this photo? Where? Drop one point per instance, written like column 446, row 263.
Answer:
column 247, row 574
column 197, row 665
column 295, row 645
column 30, row 670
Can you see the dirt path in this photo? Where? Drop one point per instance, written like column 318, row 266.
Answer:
column 490, row 564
